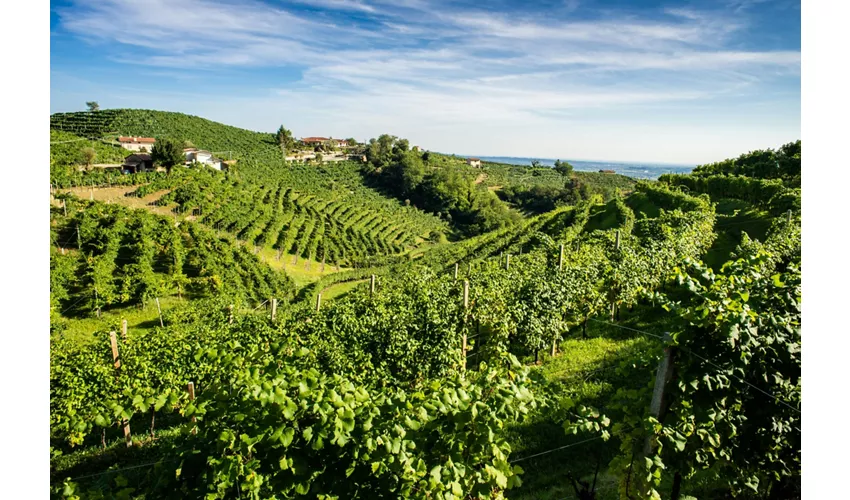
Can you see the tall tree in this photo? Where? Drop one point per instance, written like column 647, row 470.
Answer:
column 93, row 105
column 167, row 153
column 89, row 154
column 284, row 139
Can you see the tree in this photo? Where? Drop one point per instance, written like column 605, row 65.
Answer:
column 284, row 139
column 93, row 105
column 352, row 141
column 318, row 157
column 167, row 153
column 563, row 168
column 535, row 163
column 89, row 154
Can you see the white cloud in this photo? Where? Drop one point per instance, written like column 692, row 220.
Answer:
column 419, row 67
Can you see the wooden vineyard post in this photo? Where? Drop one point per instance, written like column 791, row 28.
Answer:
column 561, row 259
column 125, row 425
column 662, row 378
column 230, row 314
column 323, row 261
column 64, row 208
column 279, row 250
column 372, row 285
column 508, row 262
column 159, row 310
column 318, row 301
column 191, row 388
column 113, row 341
column 554, row 345
column 123, row 329
column 613, row 302
column 79, row 239
column 456, row 267
column 465, row 309
column 274, row 308
column 789, row 217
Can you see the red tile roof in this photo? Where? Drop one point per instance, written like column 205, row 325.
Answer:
column 321, row 139
column 140, row 140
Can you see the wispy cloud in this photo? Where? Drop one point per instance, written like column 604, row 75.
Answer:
column 443, row 63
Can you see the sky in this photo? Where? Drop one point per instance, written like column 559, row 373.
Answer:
column 645, row 81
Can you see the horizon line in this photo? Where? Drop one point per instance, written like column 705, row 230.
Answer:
column 630, row 162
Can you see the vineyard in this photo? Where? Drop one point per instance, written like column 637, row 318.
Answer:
column 106, row 256
column 585, row 352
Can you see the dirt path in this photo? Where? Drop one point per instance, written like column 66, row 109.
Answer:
column 117, row 195
column 480, row 178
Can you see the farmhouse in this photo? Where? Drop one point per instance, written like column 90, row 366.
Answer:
column 473, row 162
column 143, row 144
column 340, row 143
column 141, row 162
column 202, row 156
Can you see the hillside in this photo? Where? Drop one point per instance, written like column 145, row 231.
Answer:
column 203, row 133
column 292, row 204
column 474, row 349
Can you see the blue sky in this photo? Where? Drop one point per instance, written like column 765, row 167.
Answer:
column 677, row 82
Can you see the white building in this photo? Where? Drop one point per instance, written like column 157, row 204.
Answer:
column 143, row 144
column 473, row 162
column 202, row 156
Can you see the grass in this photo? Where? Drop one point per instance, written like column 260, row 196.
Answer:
column 138, row 319
column 338, row 290
column 602, row 217
column 589, row 372
column 304, row 272
column 735, row 217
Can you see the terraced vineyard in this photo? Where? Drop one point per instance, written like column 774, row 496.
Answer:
column 429, row 384
column 319, row 213
column 327, row 227
column 107, row 256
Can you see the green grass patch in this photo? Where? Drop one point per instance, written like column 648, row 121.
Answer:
column 589, row 372
column 340, row 289
column 139, row 318
column 735, row 217
column 602, row 217
column 304, row 272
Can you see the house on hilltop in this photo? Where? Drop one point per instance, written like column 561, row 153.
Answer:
column 202, row 156
column 340, row 143
column 473, row 162
column 143, row 144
